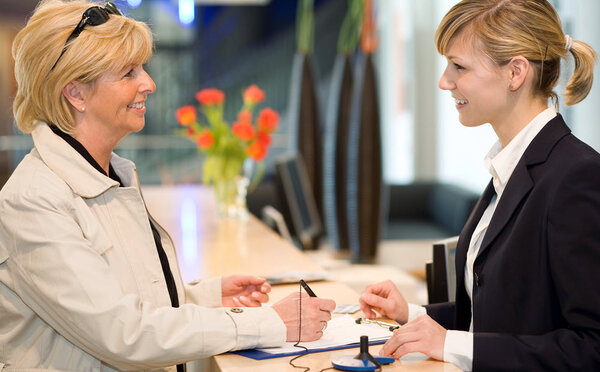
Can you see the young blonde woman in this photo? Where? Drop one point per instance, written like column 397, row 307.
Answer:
column 528, row 258
column 88, row 280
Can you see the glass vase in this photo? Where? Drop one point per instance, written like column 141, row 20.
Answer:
column 231, row 197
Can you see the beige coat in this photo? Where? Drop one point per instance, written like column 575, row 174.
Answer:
column 81, row 285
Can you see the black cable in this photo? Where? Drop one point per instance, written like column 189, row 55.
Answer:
column 306, row 369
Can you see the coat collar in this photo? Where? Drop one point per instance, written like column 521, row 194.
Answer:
column 77, row 172
column 521, row 182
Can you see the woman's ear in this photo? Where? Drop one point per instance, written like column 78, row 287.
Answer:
column 73, row 92
column 518, row 69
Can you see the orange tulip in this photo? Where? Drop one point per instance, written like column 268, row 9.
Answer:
column 210, row 96
column 249, row 136
column 267, row 121
column 263, row 138
column 256, row 151
column 243, row 130
column 245, row 116
column 186, row 115
column 205, row 139
column 253, row 95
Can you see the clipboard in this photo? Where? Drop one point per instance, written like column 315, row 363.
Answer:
column 260, row 355
column 341, row 333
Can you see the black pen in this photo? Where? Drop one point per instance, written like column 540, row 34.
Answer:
column 307, row 288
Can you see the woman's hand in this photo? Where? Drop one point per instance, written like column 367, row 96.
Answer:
column 385, row 299
column 316, row 312
column 423, row 335
column 244, row 290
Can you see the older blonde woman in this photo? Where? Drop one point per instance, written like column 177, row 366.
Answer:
column 88, row 280
column 528, row 259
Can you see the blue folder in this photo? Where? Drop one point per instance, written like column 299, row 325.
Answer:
column 260, row 355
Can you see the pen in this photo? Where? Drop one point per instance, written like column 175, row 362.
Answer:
column 307, row 288
column 389, row 326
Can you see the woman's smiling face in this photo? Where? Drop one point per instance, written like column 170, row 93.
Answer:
column 118, row 100
column 479, row 87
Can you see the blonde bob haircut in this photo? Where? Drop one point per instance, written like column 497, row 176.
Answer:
column 503, row 29
column 112, row 46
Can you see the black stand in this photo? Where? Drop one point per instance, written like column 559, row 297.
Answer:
column 361, row 362
column 364, row 352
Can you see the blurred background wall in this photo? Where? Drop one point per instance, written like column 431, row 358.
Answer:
column 237, row 43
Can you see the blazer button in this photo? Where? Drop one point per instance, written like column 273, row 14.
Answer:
column 477, row 279
column 236, row 310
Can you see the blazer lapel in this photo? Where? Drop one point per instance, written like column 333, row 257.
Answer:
column 463, row 304
column 520, row 182
column 518, row 187
column 466, row 233
column 465, row 236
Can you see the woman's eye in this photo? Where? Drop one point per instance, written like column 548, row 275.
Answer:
column 129, row 73
column 458, row 67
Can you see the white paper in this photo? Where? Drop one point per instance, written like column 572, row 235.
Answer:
column 340, row 331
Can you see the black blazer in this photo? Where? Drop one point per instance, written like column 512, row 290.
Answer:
column 536, row 291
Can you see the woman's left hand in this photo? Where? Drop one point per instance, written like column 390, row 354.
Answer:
column 244, row 290
column 422, row 335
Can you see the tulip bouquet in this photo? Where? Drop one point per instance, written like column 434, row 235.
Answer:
column 226, row 147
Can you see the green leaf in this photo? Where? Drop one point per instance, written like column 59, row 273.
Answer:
column 305, row 26
column 351, row 27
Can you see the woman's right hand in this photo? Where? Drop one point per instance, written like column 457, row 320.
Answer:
column 385, row 299
column 316, row 312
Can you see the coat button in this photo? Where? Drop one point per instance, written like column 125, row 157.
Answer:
column 236, row 310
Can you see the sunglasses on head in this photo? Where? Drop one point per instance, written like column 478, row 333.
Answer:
column 93, row 16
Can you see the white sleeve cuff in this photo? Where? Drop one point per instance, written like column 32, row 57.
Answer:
column 257, row 327
column 415, row 311
column 458, row 349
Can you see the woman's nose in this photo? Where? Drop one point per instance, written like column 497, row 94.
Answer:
column 148, row 85
column 445, row 83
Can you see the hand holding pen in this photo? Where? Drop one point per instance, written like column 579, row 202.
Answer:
column 307, row 288
column 316, row 312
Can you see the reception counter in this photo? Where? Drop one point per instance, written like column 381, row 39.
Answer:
column 208, row 246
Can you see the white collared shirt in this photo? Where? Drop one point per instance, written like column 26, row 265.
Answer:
column 501, row 162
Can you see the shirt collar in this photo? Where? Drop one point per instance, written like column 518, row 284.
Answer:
column 501, row 162
column 74, row 169
column 85, row 153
